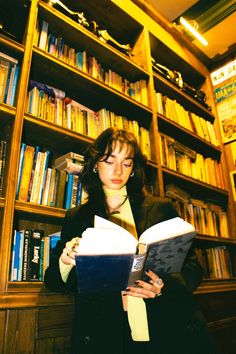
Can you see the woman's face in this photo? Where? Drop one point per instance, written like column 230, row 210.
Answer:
column 114, row 172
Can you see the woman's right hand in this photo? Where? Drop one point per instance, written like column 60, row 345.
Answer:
column 70, row 250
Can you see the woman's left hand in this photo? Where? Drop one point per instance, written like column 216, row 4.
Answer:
column 145, row 289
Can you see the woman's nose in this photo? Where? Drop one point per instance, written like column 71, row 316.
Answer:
column 118, row 170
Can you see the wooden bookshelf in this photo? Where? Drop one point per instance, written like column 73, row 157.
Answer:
column 27, row 307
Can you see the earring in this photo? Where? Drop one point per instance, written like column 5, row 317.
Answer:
column 132, row 174
column 95, row 169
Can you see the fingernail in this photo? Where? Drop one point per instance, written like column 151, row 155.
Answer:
column 128, row 289
column 137, row 282
column 147, row 270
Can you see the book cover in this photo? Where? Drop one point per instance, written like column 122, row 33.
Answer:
column 108, row 249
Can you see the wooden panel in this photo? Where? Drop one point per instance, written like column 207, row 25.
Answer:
column 220, row 311
column 224, row 334
column 55, row 321
column 20, row 331
column 2, row 329
column 59, row 345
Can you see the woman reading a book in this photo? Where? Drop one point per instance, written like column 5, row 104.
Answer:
column 156, row 316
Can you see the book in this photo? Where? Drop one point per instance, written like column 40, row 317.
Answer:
column 110, row 258
column 35, row 251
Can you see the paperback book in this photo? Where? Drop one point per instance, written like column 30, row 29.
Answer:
column 110, row 258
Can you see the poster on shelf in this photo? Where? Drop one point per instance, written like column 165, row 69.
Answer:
column 225, row 97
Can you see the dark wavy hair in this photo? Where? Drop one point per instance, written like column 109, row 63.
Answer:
column 103, row 147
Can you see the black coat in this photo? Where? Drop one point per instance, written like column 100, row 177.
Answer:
column 175, row 324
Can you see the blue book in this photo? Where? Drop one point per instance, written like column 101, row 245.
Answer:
column 69, row 186
column 22, row 154
column 14, row 85
column 79, row 193
column 15, row 256
column 20, row 256
column 54, row 238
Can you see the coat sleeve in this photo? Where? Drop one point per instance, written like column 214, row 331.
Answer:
column 191, row 273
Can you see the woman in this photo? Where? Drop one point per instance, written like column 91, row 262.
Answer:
column 139, row 320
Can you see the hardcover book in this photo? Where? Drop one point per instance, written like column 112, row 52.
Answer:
column 110, row 258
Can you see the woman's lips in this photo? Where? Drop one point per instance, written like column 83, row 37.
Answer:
column 116, row 181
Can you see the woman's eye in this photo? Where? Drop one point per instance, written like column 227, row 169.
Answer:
column 108, row 162
column 128, row 165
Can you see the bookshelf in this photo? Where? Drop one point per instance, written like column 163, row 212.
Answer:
column 28, row 304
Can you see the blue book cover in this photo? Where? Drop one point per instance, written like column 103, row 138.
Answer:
column 102, row 273
column 22, row 153
column 68, row 195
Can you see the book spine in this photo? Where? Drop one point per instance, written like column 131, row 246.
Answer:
column 22, row 153
column 68, row 194
column 35, row 250
column 26, row 254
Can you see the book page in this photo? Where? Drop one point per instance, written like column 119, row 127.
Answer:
column 102, row 240
column 166, row 229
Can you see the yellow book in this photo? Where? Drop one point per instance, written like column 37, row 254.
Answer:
column 26, row 173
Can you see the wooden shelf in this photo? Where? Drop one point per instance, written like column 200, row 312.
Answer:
column 172, row 91
column 43, row 133
column 46, row 211
column 190, row 139
column 82, row 38
column 215, row 286
column 11, row 44
column 92, row 93
column 196, row 188
column 214, row 239
column 22, row 298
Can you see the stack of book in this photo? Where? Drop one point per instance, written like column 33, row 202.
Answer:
column 40, row 184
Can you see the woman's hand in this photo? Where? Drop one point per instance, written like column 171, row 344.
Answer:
column 70, row 250
column 144, row 289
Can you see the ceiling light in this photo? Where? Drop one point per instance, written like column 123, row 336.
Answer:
column 192, row 28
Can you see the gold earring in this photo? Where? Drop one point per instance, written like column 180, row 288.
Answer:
column 132, row 174
column 95, row 169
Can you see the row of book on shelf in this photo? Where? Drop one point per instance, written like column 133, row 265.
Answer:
column 54, row 44
column 9, row 73
column 181, row 158
column 31, row 251
column 58, row 186
column 208, row 218
column 189, row 120
column 3, row 147
column 216, row 262
column 52, row 105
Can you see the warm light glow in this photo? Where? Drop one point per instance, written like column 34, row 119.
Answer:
column 187, row 25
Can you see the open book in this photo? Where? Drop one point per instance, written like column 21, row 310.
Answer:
column 110, row 258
